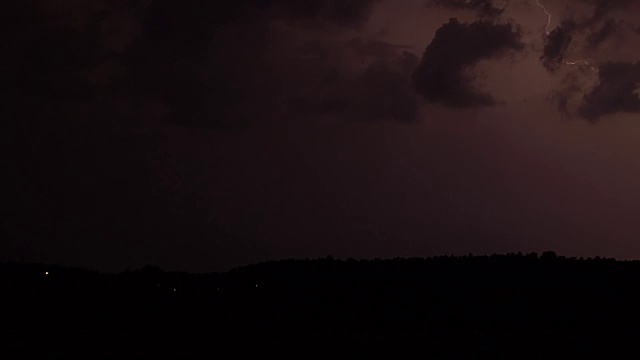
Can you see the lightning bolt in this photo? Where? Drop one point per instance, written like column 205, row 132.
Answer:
column 567, row 62
column 548, row 16
column 581, row 63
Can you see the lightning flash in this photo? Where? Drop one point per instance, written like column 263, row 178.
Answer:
column 566, row 62
column 581, row 63
column 548, row 16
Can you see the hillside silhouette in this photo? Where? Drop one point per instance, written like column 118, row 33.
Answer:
column 450, row 307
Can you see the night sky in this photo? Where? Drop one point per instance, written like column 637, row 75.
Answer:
column 203, row 135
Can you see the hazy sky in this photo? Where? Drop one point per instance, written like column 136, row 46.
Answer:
column 201, row 136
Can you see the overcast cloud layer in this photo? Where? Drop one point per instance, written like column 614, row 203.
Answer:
column 214, row 62
column 192, row 135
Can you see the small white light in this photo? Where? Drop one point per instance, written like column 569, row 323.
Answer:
column 175, row 290
column 256, row 285
column 46, row 273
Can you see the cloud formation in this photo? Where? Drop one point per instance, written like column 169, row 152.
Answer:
column 200, row 67
column 484, row 8
column 205, row 66
column 556, row 45
column 381, row 91
column 216, row 63
column 597, row 79
column 618, row 90
column 579, row 34
column 440, row 76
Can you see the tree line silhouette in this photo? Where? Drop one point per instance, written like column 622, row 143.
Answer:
column 488, row 296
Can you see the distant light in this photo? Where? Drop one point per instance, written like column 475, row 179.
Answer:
column 175, row 290
column 46, row 273
column 256, row 285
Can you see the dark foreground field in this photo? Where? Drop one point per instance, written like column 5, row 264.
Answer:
column 511, row 306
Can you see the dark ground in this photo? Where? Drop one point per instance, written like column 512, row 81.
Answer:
column 511, row 306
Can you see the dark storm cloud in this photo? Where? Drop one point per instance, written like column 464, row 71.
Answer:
column 566, row 92
column 457, row 47
column 375, row 48
column 339, row 12
column 556, row 45
column 212, row 61
column 603, row 7
column 594, row 30
column 601, row 35
column 485, row 8
column 382, row 91
column 558, row 42
column 90, row 166
column 618, row 90
column 593, row 84
column 203, row 63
